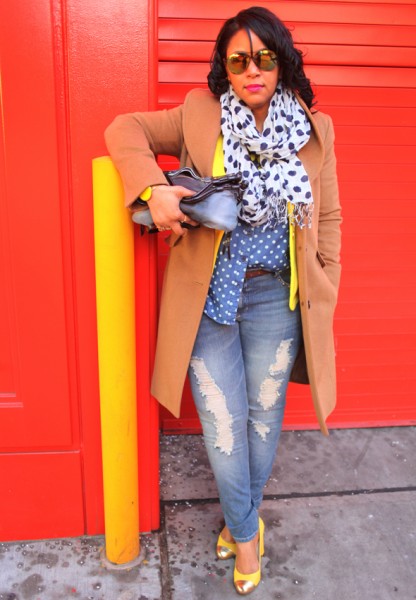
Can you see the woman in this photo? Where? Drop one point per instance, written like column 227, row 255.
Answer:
column 245, row 314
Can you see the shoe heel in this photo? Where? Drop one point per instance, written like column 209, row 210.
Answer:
column 261, row 536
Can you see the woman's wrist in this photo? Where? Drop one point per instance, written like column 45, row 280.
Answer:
column 147, row 194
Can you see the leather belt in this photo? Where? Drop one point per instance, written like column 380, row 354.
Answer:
column 257, row 272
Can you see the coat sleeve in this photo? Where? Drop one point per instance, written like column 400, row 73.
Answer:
column 329, row 231
column 134, row 140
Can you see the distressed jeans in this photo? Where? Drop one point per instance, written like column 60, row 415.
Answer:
column 239, row 375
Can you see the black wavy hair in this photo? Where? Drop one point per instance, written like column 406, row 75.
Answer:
column 276, row 37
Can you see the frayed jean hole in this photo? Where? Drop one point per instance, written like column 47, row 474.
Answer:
column 216, row 404
column 269, row 392
column 270, row 388
column 283, row 358
column 261, row 429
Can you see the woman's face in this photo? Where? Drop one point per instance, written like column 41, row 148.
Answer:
column 254, row 86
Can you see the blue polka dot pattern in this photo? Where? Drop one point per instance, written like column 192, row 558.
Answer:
column 249, row 247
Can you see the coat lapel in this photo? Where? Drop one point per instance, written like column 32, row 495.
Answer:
column 202, row 129
column 312, row 153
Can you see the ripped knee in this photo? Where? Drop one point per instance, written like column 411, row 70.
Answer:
column 261, row 429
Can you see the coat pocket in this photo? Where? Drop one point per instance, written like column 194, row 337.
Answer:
column 320, row 259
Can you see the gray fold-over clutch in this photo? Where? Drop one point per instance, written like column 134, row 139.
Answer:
column 214, row 204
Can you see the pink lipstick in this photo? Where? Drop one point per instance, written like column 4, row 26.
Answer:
column 254, row 87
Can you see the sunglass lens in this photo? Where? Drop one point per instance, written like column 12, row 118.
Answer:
column 237, row 63
column 266, row 61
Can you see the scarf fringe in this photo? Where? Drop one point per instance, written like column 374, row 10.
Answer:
column 301, row 215
column 281, row 211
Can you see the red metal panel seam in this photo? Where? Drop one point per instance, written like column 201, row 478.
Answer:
column 153, row 312
column 146, row 262
column 60, row 52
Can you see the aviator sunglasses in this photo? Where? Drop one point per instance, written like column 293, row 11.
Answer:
column 238, row 62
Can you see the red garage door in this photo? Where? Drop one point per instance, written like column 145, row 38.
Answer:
column 361, row 58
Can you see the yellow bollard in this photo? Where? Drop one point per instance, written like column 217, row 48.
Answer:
column 114, row 265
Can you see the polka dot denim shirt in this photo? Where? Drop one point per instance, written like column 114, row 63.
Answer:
column 249, row 247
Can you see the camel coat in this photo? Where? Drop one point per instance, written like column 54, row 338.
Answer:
column 190, row 132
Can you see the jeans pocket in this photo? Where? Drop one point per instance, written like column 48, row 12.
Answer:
column 284, row 277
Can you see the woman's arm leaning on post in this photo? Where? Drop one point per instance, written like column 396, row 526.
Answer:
column 133, row 143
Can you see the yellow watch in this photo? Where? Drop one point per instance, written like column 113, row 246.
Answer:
column 147, row 192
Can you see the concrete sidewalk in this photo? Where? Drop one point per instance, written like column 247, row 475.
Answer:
column 340, row 516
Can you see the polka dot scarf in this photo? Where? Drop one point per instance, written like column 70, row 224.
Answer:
column 268, row 160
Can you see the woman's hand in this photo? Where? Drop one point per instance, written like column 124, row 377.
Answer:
column 164, row 208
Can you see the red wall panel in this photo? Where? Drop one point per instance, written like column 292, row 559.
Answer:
column 108, row 72
column 39, row 412
column 361, row 58
column 67, row 68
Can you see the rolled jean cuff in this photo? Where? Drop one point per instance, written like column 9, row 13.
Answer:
column 248, row 530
